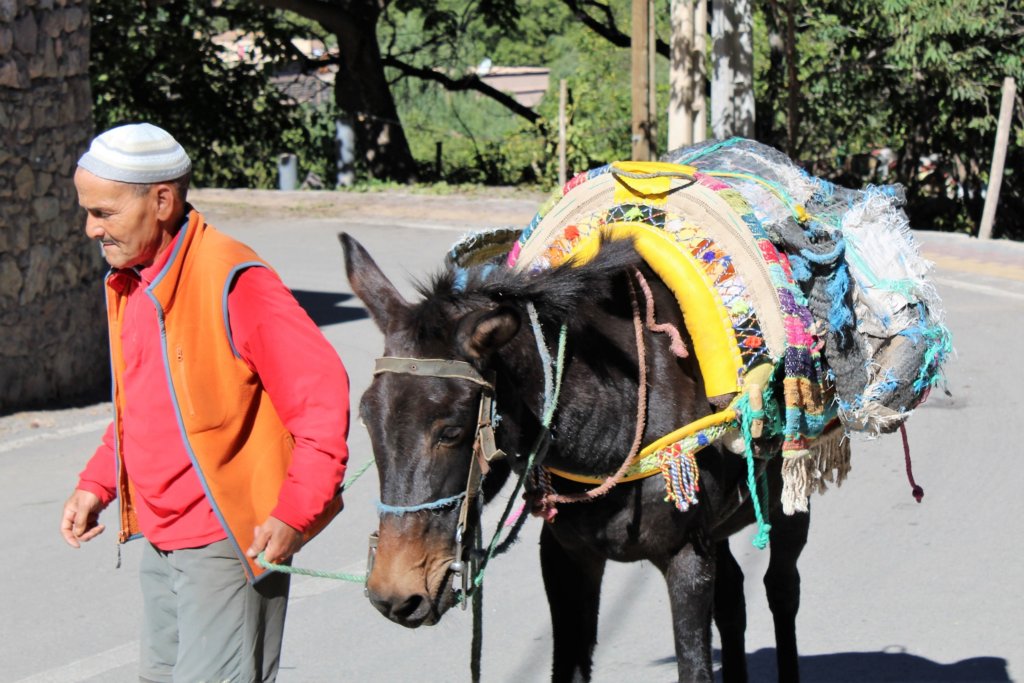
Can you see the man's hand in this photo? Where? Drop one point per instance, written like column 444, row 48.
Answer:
column 276, row 540
column 81, row 512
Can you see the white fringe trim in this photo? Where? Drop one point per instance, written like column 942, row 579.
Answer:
column 827, row 462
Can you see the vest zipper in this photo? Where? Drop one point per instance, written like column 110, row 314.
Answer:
column 180, row 354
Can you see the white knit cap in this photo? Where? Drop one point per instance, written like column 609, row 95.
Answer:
column 136, row 153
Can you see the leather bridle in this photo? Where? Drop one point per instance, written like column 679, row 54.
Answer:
column 485, row 449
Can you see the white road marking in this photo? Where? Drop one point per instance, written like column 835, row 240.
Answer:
column 88, row 667
column 974, row 287
column 62, row 432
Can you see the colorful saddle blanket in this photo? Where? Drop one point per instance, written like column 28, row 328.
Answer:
column 759, row 256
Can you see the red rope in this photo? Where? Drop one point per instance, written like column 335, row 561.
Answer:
column 916, row 490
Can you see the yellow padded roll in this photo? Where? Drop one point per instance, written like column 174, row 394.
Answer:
column 707, row 319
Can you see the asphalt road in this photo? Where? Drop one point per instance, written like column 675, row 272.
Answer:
column 892, row 590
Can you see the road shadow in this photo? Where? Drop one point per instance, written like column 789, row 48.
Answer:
column 325, row 308
column 878, row 667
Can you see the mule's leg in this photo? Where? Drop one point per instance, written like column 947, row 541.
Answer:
column 572, row 581
column 730, row 614
column 690, row 575
column 782, row 587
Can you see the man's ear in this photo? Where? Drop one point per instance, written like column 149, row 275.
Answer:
column 166, row 201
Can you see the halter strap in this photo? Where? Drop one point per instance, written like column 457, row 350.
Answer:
column 431, row 367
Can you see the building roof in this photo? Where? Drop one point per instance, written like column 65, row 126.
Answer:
column 527, row 84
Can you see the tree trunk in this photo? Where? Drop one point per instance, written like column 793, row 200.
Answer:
column 362, row 92
column 361, row 89
column 732, row 82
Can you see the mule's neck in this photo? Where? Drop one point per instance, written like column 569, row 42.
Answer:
column 595, row 420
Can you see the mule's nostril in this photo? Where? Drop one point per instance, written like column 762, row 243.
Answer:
column 412, row 610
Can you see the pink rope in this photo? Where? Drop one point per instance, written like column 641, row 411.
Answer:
column 678, row 346
column 550, row 499
column 516, row 514
column 916, row 490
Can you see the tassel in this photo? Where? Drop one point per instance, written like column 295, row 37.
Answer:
column 799, row 475
column 831, row 455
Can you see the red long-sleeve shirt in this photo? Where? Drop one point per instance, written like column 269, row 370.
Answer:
column 302, row 374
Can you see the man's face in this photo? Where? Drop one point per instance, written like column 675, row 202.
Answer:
column 123, row 222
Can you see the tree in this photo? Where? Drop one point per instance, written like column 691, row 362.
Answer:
column 170, row 54
column 920, row 78
column 158, row 62
column 362, row 88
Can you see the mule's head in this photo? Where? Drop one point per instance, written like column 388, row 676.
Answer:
column 422, row 428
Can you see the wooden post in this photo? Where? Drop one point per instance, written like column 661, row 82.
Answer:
column 652, row 82
column 563, row 97
column 995, row 176
column 641, row 127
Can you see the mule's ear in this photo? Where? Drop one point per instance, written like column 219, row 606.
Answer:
column 370, row 284
column 484, row 332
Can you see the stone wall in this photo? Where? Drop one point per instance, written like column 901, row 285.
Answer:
column 52, row 339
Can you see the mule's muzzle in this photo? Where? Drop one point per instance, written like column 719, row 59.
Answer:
column 411, row 611
column 409, row 572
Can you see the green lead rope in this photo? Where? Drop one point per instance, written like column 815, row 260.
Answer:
column 261, row 560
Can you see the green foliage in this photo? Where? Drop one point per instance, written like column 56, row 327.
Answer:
column 157, row 62
column 312, row 139
column 481, row 140
column 921, row 78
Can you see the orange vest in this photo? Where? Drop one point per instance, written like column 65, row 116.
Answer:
column 238, row 445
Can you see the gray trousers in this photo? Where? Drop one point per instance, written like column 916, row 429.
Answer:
column 203, row 622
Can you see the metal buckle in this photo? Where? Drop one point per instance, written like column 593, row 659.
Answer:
column 460, row 573
column 371, row 556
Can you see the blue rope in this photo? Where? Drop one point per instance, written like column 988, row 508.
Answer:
column 840, row 317
column 262, row 561
column 542, row 350
column 550, row 404
column 549, row 409
column 708, row 150
column 801, row 271
column 349, row 481
column 826, row 257
column 385, row 509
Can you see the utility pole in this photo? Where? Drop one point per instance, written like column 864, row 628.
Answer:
column 700, row 71
column 643, row 126
column 652, row 78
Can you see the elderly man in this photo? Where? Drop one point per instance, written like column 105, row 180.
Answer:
column 230, row 418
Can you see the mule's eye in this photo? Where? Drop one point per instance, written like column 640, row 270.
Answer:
column 449, row 436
